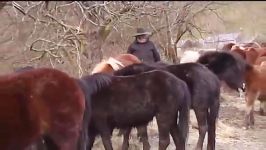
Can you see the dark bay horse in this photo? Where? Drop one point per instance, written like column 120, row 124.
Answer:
column 41, row 103
column 204, row 87
column 113, row 64
column 234, row 70
column 125, row 102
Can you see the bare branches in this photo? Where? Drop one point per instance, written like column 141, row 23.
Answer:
column 66, row 30
column 26, row 12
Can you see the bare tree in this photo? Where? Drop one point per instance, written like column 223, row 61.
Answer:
column 74, row 32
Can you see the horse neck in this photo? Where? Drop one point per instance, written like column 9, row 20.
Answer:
column 97, row 81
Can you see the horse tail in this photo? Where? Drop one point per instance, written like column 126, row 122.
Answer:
column 211, row 121
column 84, row 138
column 184, row 114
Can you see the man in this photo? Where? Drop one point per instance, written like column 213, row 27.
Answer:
column 143, row 48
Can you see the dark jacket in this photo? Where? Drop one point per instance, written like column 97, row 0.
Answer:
column 146, row 52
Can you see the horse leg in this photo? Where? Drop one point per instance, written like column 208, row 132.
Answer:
column 66, row 141
column 106, row 134
column 211, row 119
column 126, row 133
column 201, row 116
column 143, row 135
column 48, row 142
column 164, row 130
column 91, row 140
column 175, row 134
column 251, row 96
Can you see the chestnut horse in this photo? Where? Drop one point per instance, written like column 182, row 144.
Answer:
column 41, row 103
column 230, row 65
column 254, row 56
column 115, row 63
column 204, row 88
column 228, row 46
column 126, row 102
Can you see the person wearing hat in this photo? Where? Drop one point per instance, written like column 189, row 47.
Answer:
column 143, row 48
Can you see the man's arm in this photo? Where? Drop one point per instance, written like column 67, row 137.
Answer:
column 130, row 50
column 156, row 54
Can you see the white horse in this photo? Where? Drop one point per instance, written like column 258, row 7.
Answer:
column 189, row 56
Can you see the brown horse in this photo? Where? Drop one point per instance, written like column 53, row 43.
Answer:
column 115, row 63
column 228, row 46
column 40, row 103
column 232, row 66
column 256, row 89
column 250, row 54
column 254, row 56
column 251, row 44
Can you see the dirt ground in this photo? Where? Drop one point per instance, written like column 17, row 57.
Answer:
column 230, row 132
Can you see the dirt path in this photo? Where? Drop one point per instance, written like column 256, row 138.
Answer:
column 230, row 132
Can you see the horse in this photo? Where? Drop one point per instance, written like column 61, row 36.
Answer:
column 251, row 44
column 254, row 56
column 229, row 67
column 22, row 69
column 204, row 103
column 125, row 102
column 189, row 56
column 235, row 68
column 109, row 67
column 115, row 63
column 228, row 46
column 41, row 103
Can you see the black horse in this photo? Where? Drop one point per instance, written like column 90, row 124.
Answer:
column 126, row 102
column 229, row 67
column 232, row 69
column 204, row 87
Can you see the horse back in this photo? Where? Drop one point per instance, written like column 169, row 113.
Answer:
column 157, row 83
column 146, row 94
column 36, row 101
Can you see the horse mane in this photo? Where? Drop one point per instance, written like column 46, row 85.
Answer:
column 134, row 69
column 99, row 67
column 221, row 61
column 22, row 69
column 97, row 81
column 228, row 66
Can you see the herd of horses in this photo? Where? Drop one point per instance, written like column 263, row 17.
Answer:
column 49, row 109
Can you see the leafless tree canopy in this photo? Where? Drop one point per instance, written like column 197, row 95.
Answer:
column 81, row 33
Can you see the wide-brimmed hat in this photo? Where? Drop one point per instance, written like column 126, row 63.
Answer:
column 142, row 31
